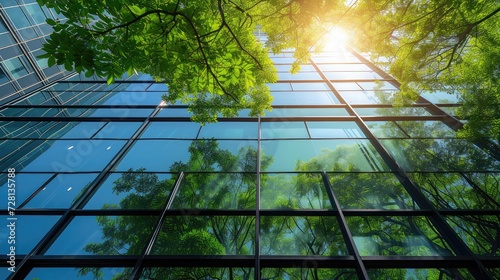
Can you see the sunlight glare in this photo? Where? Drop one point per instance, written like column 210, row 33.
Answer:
column 334, row 38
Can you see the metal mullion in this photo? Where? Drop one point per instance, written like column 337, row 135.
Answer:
column 136, row 272
column 351, row 246
column 257, row 265
column 38, row 190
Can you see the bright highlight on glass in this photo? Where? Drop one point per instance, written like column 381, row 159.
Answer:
column 335, row 38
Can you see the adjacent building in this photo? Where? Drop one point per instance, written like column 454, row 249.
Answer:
column 109, row 182
column 22, row 33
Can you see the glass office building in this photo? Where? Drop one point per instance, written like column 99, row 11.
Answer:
column 334, row 183
column 22, row 33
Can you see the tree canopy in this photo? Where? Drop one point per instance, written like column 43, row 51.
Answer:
column 207, row 53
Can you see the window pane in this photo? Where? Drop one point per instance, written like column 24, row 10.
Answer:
column 334, row 130
column 213, row 235
column 321, row 155
column 229, row 130
column 420, row 273
column 293, row 191
column 28, row 183
column 451, row 191
column 478, row 232
column 207, row 273
column 386, row 129
column 62, row 191
column 29, row 230
column 306, row 273
column 132, row 190
column 317, row 236
column 394, row 235
column 216, row 191
column 84, row 273
column 15, row 67
column 72, row 155
column 104, row 235
column 370, row 191
column 179, row 130
column 273, row 130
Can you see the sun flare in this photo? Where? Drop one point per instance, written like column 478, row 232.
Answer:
column 334, row 38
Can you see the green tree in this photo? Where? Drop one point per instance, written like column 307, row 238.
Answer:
column 438, row 45
column 206, row 51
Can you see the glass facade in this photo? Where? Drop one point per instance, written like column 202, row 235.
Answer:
column 22, row 33
column 334, row 183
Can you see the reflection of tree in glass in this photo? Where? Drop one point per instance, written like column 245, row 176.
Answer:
column 188, row 235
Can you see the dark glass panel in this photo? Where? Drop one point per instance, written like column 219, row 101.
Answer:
column 306, row 112
column 27, row 232
column 385, row 129
column 274, row 130
column 132, row 190
column 396, row 111
column 216, row 191
column 82, row 273
column 179, row 130
column 72, row 155
column 62, row 191
column 334, row 130
column 25, row 184
column 489, row 183
column 430, row 129
column 211, row 235
column 397, row 236
column 229, row 130
column 451, row 191
column 370, row 191
column 309, row 272
column 437, row 154
column 480, row 233
column 104, row 235
column 293, row 191
column 205, row 273
column 322, row 155
column 421, row 273
column 316, row 236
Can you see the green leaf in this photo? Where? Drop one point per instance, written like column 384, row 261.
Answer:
column 51, row 21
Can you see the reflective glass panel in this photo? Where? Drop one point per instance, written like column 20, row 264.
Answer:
column 72, row 155
column 434, row 129
column 83, row 273
column 397, row 236
column 216, row 191
column 62, row 191
column 437, row 154
column 171, row 273
column 180, row 130
column 132, row 190
column 104, row 235
column 480, row 233
column 321, row 155
column 273, row 130
column 370, row 191
column 451, row 191
column 385, row 129
column 212, row 235
column 184, row 155
column 25, row 185
column 293, row 191
column 489, row 183
column 229, row 130
column 305, row 112
column 317, row 236
column 334, row 130
column 28, row 230
column 306, row 273
column 420, row 273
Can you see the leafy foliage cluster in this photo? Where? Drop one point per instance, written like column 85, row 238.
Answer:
column 206, row 51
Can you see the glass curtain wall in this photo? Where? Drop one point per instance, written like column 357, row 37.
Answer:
column 334, row 183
